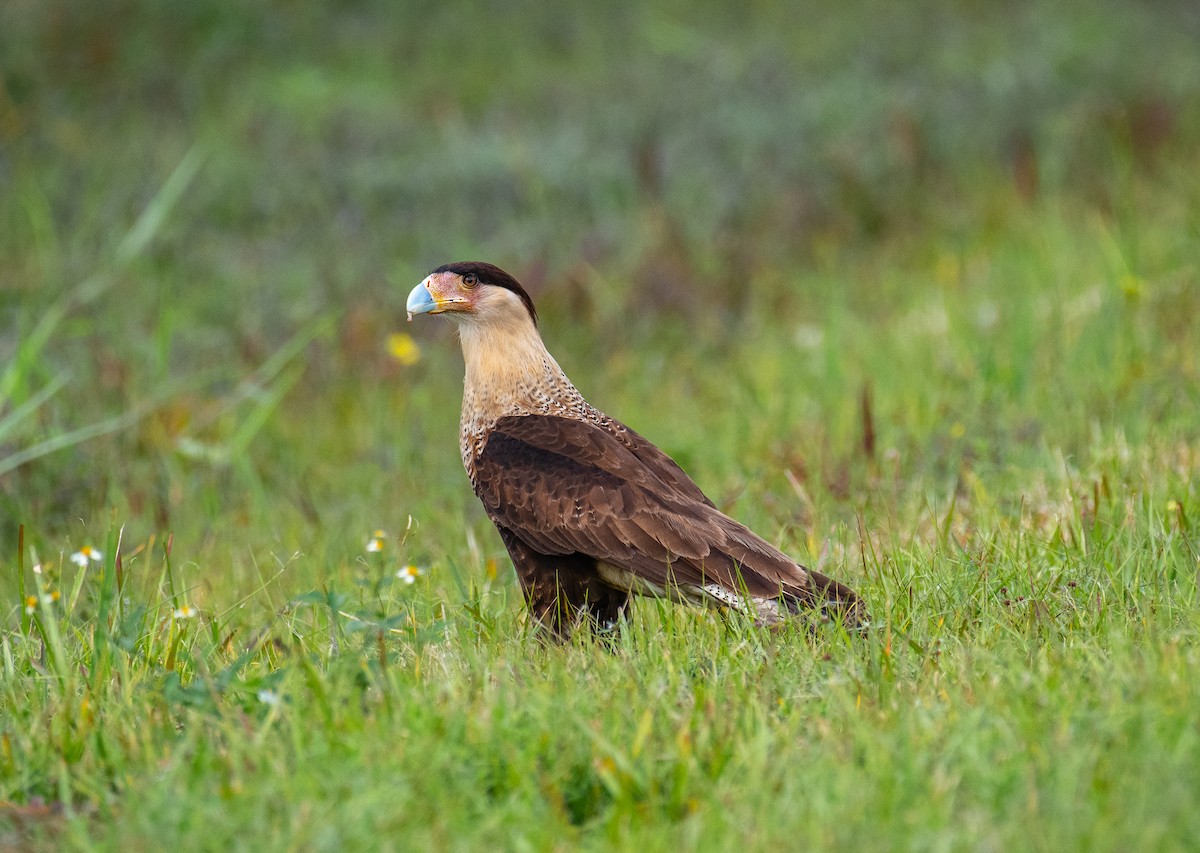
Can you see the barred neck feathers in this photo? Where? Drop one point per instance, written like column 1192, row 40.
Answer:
column 508, row 372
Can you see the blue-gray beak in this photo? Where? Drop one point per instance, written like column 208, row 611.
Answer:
column 420, row 301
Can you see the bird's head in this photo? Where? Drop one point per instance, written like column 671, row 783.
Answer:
column 472, row 293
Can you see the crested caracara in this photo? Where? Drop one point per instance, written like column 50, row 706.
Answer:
column 589, row 510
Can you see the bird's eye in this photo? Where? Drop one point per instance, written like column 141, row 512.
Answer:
column 470, row 279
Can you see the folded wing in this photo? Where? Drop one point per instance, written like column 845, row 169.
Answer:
column 566, row 486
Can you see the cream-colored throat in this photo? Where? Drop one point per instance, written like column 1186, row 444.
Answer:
column 509, row 374
column 507, row 370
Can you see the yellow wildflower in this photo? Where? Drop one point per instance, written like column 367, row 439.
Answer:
column 403, row 348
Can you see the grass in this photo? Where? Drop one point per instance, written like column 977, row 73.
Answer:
column 928, row 329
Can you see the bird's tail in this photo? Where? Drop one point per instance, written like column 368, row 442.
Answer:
column 832, row 599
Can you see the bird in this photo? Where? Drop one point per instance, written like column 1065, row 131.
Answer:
column 590, row 512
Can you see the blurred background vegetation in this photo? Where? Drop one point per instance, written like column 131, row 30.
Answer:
column 911, row 288
column 210, row 214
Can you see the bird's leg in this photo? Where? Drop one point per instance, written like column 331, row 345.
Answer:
column 571, row 595
column 564, row 590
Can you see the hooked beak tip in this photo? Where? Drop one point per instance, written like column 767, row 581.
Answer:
column 420, row 301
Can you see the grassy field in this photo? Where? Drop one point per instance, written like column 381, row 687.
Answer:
column 913, row 290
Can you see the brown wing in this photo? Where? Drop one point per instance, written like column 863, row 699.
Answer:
column 660, row 464
column 569, row 487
